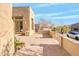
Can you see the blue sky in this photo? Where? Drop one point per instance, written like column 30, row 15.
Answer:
column 57, row 13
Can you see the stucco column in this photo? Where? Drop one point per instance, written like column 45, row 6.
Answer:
column 14, row 23
column 34, row 24
column 61, row 41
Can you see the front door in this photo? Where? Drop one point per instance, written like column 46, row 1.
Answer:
column 18, row 26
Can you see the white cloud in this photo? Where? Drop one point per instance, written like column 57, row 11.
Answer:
column 55, row 14
column 43, row 5
column 47, row 15
column 65, row 17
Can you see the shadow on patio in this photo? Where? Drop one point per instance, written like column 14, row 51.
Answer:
column 46, row 36
column 53, row 50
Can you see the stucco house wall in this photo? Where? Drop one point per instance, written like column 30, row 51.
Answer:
column 28, row 15
column 6, row 30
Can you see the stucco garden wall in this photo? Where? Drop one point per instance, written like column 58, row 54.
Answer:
column 69, row 44
column 6, row 30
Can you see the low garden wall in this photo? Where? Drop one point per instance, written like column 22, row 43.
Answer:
column 55, row 35
column 70, row 45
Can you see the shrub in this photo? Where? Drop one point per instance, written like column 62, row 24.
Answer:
column 62, row 29
column 18, row 44
column 54, row 29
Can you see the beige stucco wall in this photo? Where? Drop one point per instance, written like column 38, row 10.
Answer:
column 27, row 14
column 6, row 30
column 32, row 17
column 71, row 47
column 69, row 44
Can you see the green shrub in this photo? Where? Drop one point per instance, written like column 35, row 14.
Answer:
column 54, row 29
column 18, row 44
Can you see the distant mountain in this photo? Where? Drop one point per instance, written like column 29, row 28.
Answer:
column 75, row 26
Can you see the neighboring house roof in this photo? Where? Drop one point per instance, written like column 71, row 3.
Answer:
column 75, row 26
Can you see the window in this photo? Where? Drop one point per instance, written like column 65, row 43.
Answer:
column 74, row 33
column 21, row 26
column 32, row 24
column 18, row 23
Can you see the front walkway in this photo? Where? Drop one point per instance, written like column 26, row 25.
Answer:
column 40, row 45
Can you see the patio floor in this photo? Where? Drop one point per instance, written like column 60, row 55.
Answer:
column 40, row 45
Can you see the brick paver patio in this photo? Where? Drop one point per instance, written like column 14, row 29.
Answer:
column 40, row 45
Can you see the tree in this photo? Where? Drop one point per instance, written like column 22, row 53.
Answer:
column 43, row 24
column 66, row 29
column 62, row 29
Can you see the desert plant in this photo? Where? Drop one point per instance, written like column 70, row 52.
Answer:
column 65, row 29
column 62, row 29
column 54, row 29
column 18, row 44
